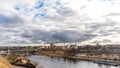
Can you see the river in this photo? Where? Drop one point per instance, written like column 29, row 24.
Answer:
column 49, row 62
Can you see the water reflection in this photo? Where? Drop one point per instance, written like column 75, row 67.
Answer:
column 50, row 62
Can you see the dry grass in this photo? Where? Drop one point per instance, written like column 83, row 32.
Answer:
column 4, row 63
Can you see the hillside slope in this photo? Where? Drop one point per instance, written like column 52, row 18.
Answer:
column 4, row 63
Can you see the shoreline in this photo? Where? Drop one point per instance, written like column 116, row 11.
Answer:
column 20, row 61
column 91, row 59
column 75, row 57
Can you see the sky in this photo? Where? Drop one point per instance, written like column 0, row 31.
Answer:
column 59, row 21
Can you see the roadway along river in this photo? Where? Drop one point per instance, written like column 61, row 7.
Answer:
column 48, row 62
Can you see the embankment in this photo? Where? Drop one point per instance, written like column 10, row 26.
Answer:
column 4, row 63
column 62, row 55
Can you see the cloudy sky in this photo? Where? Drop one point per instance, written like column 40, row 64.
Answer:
column 59, row 21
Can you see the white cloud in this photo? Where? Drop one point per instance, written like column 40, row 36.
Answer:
column 36, row 21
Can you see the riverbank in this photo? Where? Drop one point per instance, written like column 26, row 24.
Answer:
column 75, row 57
column 4, row 63
column 55, row 62
column 50, row 53
column 21, row 62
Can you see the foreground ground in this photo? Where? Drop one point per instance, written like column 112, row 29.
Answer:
column 4, row 63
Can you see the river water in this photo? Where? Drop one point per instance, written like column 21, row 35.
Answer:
column 49, row 62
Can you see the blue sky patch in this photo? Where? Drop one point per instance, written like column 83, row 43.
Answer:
column 58, row 3
column 39, row 4
column 17, row 8
column 43, row 15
